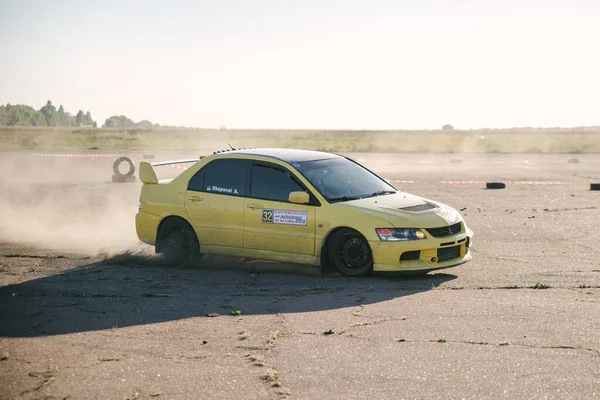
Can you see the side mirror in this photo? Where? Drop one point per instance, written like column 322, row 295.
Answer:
column 299, row 198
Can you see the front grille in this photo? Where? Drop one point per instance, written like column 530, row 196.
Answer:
column 418, row 207
column 445, row 230
column 448, row 253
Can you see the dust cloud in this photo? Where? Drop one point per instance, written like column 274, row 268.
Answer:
column 67, row 204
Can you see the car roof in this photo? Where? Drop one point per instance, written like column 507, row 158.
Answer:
column 286, row 155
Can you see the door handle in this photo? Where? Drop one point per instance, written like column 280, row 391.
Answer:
column 195, row 199
column 254, row 206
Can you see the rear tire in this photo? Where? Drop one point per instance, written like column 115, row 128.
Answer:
column 349, row 253
column 177, row 241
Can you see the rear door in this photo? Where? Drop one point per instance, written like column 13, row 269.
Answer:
column 271, row 222
column 215, row 202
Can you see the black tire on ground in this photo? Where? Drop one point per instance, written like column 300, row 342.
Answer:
column 495, row 185
column 118, row 162
column 349, row 253
column 594, row 186
column 177, row 241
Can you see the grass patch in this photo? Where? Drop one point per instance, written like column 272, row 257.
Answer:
column 540, row 285
column 255, row 347
column 37, row 256
column 270, row 376
column 106, row 359
column 156, row 295
column 442, row 340
column 497, row 141
column 45, row 374
column 328, row 332
column 257, row 360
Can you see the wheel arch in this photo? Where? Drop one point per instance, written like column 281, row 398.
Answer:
column 161, row 224
column 325, row 262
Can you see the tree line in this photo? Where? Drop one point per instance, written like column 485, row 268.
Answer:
column 22, row 115
column 48, row 115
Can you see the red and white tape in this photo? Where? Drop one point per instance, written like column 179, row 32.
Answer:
column 483, row 182
column 543, row 183
column 177, row 166
column 462, row 182
column 74, row 155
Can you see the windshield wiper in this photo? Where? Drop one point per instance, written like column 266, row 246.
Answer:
column 343, row 198
column 381, row 193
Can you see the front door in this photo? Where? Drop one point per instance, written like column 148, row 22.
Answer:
column 271, row 222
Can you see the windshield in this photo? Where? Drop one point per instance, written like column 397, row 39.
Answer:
column 339, row 179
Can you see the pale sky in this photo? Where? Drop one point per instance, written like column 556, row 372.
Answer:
column 329, row 64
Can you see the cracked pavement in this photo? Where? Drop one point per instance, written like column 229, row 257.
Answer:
column 519, row 321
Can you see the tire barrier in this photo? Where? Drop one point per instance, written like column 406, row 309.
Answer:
column 594, row 186
column 573, row 161
column 118, row 163
column 495, row 185
column 123, row 178
column 118, row 176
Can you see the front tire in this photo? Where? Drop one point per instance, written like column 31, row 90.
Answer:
column 178, row 242
column 349, row 253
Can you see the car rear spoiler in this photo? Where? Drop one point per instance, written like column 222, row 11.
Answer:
column 148, row 175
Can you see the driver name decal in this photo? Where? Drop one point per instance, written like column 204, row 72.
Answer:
column 285, row 217
column 215, row 188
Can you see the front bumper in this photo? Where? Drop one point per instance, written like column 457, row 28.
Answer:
column 386, row 255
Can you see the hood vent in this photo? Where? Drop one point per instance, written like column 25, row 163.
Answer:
column 419, row 207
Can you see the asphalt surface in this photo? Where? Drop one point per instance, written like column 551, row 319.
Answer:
column 521, row 320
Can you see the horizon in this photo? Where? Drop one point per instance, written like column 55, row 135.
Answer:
column 407, row 65
column 158, row 125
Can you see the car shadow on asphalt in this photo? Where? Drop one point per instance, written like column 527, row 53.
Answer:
column 136, row 291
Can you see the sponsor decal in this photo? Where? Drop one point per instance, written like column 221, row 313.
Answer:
column 284, row 217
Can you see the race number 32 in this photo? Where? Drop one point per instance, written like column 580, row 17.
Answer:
column 267, row 216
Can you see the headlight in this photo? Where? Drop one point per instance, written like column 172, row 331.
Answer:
column 396, row 234
column 449, row 214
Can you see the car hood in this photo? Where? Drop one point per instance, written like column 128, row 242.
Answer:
column 392, row 209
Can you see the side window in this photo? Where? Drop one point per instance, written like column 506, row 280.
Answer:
column 272, row 183
column 227, row 176
column 197, row 181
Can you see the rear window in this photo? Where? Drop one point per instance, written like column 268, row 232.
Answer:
column 227, row 177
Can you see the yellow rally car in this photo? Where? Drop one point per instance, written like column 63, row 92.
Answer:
column 297, row 206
